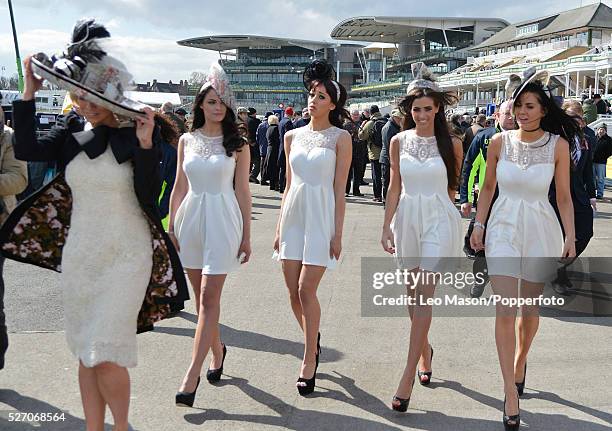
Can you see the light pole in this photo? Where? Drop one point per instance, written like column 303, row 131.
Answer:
column 17, row 58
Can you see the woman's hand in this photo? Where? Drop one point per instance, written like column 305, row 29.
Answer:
column 175, row 242
column 335, row 247
column 387, row 240
column 276, row 245
column 476, row 238
column 244, row 252
column 144, row 128
column 569, row 249
column 32, row 84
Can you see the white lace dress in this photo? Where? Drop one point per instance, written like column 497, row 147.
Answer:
column 208, row 223
column 426, row 225
column 308, row 216
column 523, row 226
column 106, row 261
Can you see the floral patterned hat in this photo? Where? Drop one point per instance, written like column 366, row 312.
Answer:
column 217, row 79
column 86, row 70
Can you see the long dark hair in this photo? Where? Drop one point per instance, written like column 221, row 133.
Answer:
column 321, row 72
column 555, row 119
column 168, row 130
column 232, row 137
column 443, row 138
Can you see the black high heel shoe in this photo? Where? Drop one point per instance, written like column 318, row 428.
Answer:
column 186, row 399
column 426, row 373
column 309, row 386
column 520, row 387
column 215, row 375
column 318, row 347
column 402, row 405
column 515, row 419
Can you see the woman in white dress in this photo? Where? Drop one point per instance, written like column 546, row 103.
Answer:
column 96, row 222
column 523, row 232
column 309, row 230
column 422, row 227
column 210, row 217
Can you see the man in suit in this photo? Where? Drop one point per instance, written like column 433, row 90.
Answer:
column 284, row 126
column 252, row 124
column 582, row 188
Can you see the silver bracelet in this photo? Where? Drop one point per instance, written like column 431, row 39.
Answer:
column 480, row 225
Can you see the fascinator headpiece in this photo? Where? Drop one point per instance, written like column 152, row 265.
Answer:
column 218, row 79
column 423, row 78
column 516, row 83
column 320, row 70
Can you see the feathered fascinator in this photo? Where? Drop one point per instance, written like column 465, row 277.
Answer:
column 217, row 79
column 86, row 69
column 320, row 70
column 516, row 83
column 423, row 78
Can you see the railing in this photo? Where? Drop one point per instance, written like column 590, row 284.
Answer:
column 380, row 85
column 430, row 55
column 272, row 87
column 602, row 119
column 557, row 66
column 232, row 64
column 551, row 46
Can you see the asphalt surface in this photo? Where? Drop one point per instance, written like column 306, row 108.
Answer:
column 568, row 380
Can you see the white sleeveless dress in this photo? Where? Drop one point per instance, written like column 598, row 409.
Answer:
column 308, row 217
column 208, row 223
column 523, row 225
column 106, row 261
column 426, row 225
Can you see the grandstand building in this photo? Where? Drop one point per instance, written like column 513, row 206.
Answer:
column 397, row 42
column 575, row 46
column 266, row 72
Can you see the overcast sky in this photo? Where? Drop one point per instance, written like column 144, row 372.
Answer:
column 147, row 30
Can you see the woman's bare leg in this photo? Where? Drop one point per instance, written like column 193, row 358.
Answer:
column 94, row 406
column 207, row 331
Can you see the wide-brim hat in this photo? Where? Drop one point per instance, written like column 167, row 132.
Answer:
column 516, row 83
column 110, row 99
column 89, row 72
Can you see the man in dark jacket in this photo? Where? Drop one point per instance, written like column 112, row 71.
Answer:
column 371, row 132
column 389, row 130
column 603, row 150
column 352, row 126
column 304, row 119
column 600, row 104
column 252, row 124
column 582, row 189
column 262, row 143
column 284, row 126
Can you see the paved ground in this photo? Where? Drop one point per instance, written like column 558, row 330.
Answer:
column 568, row 382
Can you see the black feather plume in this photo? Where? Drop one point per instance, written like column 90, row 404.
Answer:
column 88, row 29
column 318, row 70
column 85, row 37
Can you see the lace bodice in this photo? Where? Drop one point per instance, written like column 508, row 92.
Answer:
column 418, row 147
column 204, row 146
column 307, row 139
column 525, row 154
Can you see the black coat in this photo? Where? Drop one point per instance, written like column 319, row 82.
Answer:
column 582, row 189
column 45, row 240
column 271, row 161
